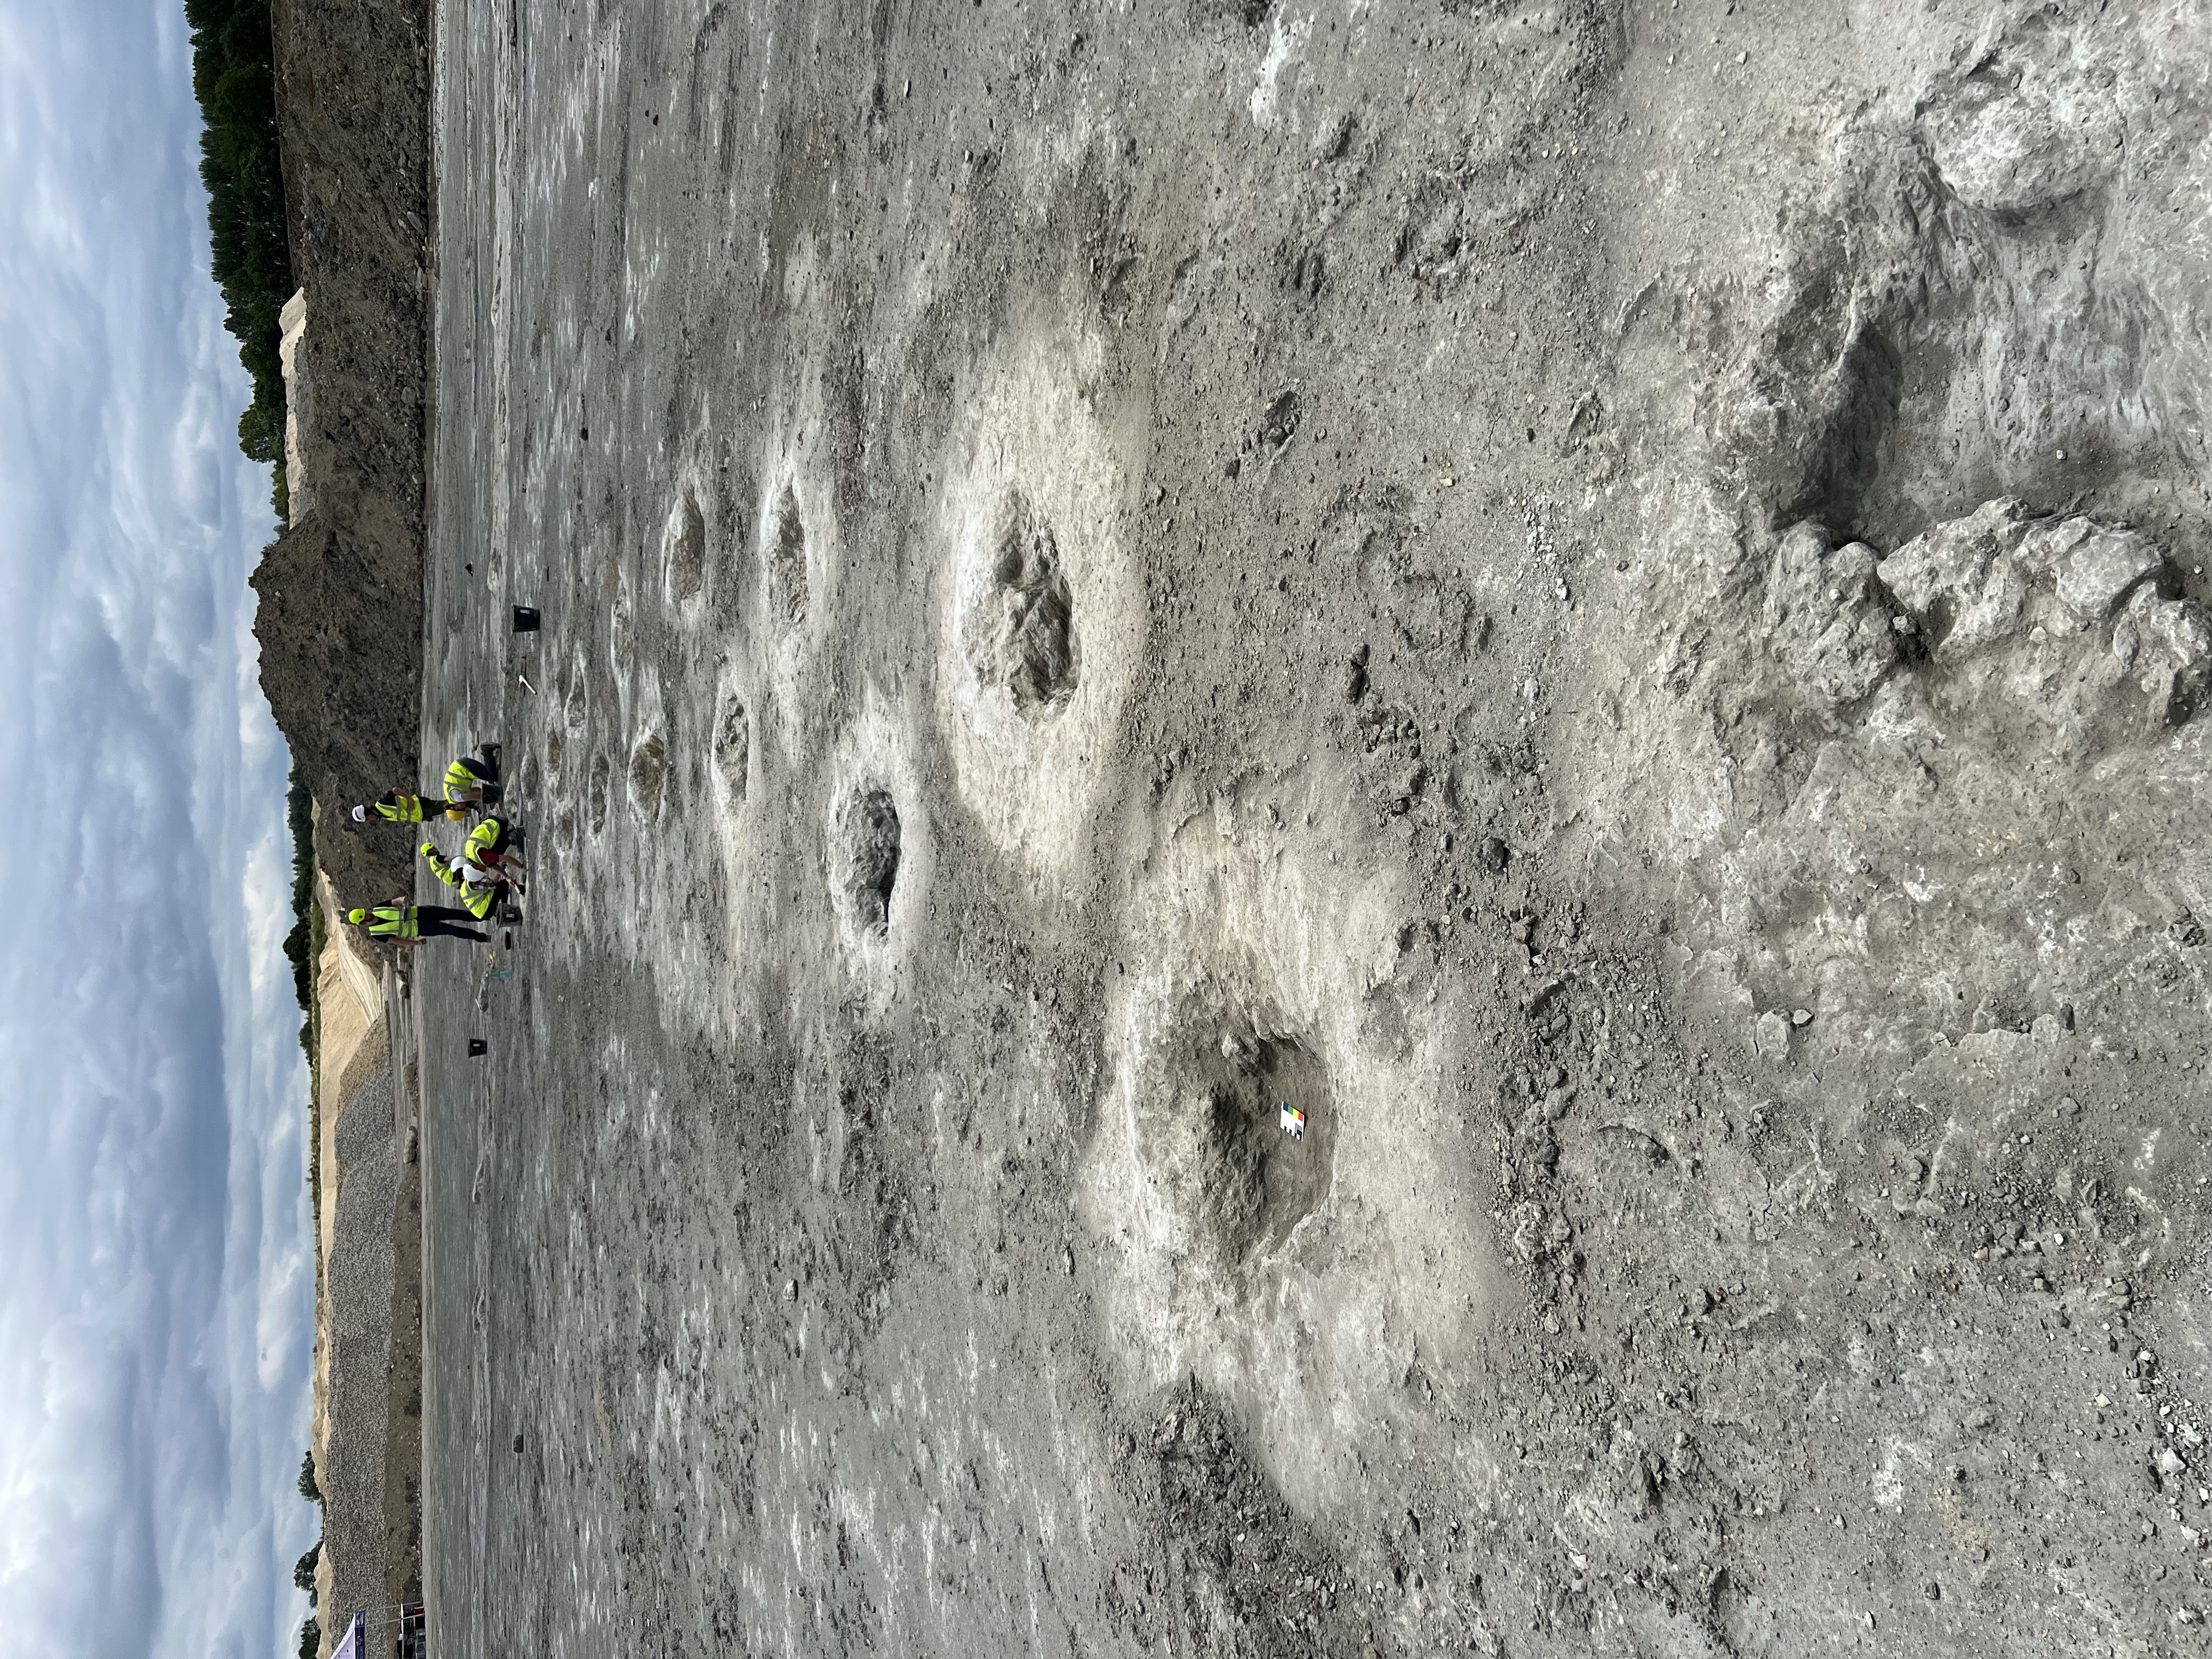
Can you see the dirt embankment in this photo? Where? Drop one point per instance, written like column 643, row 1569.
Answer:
column 368, row 1346
column 340, row 621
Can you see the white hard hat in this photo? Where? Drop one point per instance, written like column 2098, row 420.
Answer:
column 361, row 815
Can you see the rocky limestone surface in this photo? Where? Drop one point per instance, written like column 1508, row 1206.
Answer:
column 1607, row 600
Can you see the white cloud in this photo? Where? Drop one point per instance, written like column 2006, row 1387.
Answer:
column 155, row 1323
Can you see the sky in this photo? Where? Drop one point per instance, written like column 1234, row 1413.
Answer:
column 157, row 1269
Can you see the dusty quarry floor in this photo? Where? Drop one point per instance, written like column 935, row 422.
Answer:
column 1607, row 599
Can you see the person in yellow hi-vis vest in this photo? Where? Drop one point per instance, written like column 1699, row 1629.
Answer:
column 399, row 806
column 410, row 924
column 484, row 900
column 467, row 778
column 489, row 848
column 481, row 890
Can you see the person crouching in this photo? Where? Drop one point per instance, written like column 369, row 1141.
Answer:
column 482, row 892
column 397, row 806
column 489, row 848
column 467, row 778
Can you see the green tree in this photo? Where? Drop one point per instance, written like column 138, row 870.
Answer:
column 303, row 1569
column 311, row 1637
column 308, row 1489
column 234, row 78
column 300, row 942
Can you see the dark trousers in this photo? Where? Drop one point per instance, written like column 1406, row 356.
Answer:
column 444, row 921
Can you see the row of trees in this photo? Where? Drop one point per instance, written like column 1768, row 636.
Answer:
column 234, row 78
column 303, row 1569
column 303, row 946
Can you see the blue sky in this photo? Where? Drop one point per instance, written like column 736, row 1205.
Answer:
column 156, row 1310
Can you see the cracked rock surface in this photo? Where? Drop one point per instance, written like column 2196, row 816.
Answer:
column 1606, row 601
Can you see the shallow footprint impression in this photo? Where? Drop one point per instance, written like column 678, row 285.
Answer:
column 1257, row 1002
column 868, row 859
column 1042, row 604
column 1022, row 638
column 1227, row 1149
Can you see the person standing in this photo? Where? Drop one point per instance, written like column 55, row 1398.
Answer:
column 410, row 924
